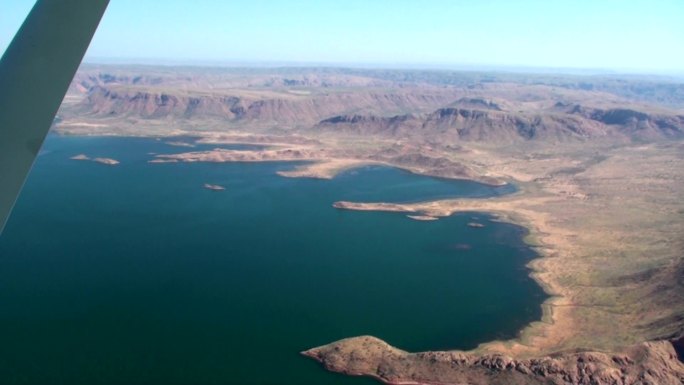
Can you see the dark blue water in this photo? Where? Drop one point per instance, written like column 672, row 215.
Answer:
column 136, row 274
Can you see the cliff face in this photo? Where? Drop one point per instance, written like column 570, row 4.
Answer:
column 266, row 107
column 632, row 122
column 480, row 125
column 653, row 363
column 452, row 123
column 328, row 113
column 477, row 103
column 104, row 102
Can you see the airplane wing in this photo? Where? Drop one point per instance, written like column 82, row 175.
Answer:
column 35, row 72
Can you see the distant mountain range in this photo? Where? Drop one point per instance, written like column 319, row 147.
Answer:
column 415, row 105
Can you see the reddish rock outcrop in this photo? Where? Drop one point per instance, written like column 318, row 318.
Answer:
column 649, row 363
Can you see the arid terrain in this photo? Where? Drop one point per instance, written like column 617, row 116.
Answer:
column 598, row 159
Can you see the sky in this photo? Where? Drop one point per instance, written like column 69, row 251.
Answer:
column 623, row 35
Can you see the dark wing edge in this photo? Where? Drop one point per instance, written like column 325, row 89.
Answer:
column 35, row 73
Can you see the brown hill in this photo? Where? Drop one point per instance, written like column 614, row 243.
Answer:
column 632, row 122
column 413, row 106
column 453, row 124
column 261, row 106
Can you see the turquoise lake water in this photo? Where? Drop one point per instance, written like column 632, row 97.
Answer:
column 136, row 274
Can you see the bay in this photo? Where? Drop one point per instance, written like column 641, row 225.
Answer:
column 137, row 274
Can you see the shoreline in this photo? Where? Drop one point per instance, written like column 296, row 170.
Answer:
column 523, row 359
column 324, row 162
column 434, row 210
column 600, row 171
column 503, row 208
column 323, row 165
column 422, row 211
column 322, row 169
column 575, row 219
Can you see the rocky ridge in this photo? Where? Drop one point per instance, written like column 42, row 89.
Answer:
column 653, row 363
column 463, row 124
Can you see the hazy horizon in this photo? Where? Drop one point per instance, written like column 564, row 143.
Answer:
column 610, row 36
column 165, row 62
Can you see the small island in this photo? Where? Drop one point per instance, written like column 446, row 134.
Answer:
column 80, row 157
column 107, row 161
column 213, row 187
column 179, row 144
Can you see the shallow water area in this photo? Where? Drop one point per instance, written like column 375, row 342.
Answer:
column 135, row 273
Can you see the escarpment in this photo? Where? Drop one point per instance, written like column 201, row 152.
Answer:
column 479, row 125
column 268, row 108
column 645, row 363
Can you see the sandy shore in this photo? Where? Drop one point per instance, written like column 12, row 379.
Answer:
column 324, row 162
column 326, row 169
column 422, row 217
